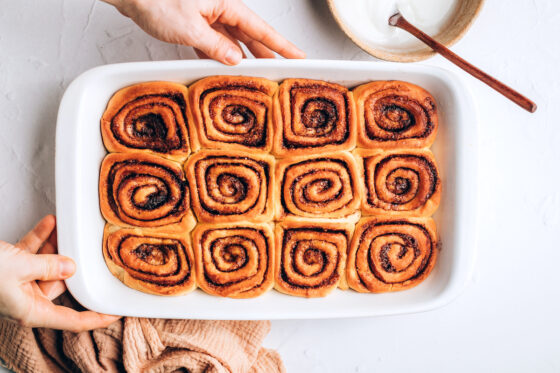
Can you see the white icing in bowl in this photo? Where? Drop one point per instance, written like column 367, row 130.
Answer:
column 368, row 20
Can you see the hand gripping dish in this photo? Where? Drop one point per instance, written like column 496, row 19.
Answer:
column 395, row 114
column 233, row 112
column 234, row 260
column 142, row 190
column 148, row 117
column 311, row 257
column 313, row 116
column 156, row 262
column 231, row 186
column 390, row 254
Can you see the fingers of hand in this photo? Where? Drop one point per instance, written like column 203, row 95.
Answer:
column 35, row 238
column 238, row 15
column 48, row 315
column 50, row 245
column 226, row 32
column 46, row 267
column 256, row 48
column 52, row 289
column 201, row 54
column 216, row 45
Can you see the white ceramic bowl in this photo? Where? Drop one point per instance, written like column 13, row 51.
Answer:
column 460, row 22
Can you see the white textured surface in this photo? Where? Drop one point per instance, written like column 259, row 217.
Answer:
column 506, row 320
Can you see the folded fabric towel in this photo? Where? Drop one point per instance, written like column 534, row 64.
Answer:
column 141, row 345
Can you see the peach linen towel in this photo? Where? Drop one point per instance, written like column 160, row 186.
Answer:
column 142, row 345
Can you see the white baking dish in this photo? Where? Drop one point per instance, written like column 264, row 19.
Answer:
column 79, row 151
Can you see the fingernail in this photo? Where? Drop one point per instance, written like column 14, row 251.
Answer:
column 233, row 56
column 67, row 267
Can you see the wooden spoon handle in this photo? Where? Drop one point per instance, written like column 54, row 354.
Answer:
column 399, row 21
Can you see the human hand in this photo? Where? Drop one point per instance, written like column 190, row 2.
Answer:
column 32, row 277
column 213, row 27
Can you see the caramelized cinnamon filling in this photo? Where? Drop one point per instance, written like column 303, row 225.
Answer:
column 151, row 122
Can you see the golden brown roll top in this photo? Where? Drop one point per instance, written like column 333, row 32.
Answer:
column 312, row 116
column 400, row 182
column 154, row 262
column 234, row 260
column 231, row 186
column 391, row 254
column 395, row 114
column 233, row 112
column 148, row 117
column 311, row 257
column 141, row 190
column 323, row 186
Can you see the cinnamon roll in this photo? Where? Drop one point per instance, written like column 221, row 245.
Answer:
column 394, row 114
column 156, row 262
column 231, row 186
column 141, row 190
column 321, row 186
column 234, row 260
column 311, row 257
column 148, row 117
column 312, row 116
column 400, row 182
column 391, row 254
column 233, row 112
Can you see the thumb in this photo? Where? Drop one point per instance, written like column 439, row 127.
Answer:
column 217, row 46
column 47, row 267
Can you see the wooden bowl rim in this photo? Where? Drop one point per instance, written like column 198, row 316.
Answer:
column 405, row 56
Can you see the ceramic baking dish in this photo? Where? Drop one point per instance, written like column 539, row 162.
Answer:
column 79, row 152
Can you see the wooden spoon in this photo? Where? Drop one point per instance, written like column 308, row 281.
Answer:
column 399, row 21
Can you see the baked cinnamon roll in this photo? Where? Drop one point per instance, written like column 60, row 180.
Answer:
column 233, row 112
column 391, row 254
column 141, row 190
column 321, row 186
column 312, row 116
column 148, row 117
column 311, row 257
column 400, row 182
column 231, row 186
column 234, row 260
column 395, row 114
column 156, row 262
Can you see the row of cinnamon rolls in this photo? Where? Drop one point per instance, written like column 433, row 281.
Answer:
column 297, row 117
column 141, row 190
column 302, row 258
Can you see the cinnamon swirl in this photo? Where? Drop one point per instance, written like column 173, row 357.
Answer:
column 234, row 260
column 391, row 254
column 233, row 112
column 313, row 116
column 395, row 114
column 231, row 186
column 321, row 186
column 400, row 182
column 148, row 117
column 141, row 190
column 156, row 262
column 311, row 257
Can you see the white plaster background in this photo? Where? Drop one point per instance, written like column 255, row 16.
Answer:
column 508, row 317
